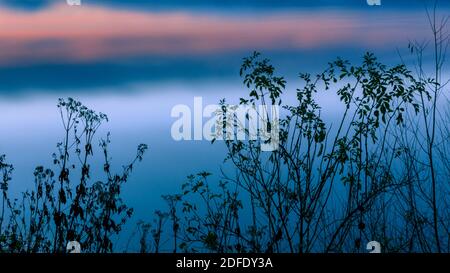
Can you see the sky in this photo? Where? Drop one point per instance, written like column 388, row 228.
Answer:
column 135, row 60
column 54, row 46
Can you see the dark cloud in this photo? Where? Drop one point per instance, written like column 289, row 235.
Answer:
column 27, row 4
column 20, row 79
column 53, row 74
column 82, row 77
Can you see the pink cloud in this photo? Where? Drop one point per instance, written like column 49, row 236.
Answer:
column 90, row 32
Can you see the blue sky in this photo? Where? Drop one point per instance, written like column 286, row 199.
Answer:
column 226, row 4
column 135, row 60
column 47, row 45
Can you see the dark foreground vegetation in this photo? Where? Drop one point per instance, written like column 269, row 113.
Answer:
column 382, row 172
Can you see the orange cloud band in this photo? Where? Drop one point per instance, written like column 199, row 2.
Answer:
column 89, row 33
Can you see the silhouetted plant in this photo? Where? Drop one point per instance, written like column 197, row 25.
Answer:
column 326, row 188
column 425, row 141
column 370, row 174
column 205, row 219
column 66, row 204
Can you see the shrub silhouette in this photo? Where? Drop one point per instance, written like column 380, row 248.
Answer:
column 65, row 204
column 379, row 173
column 325, row 189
